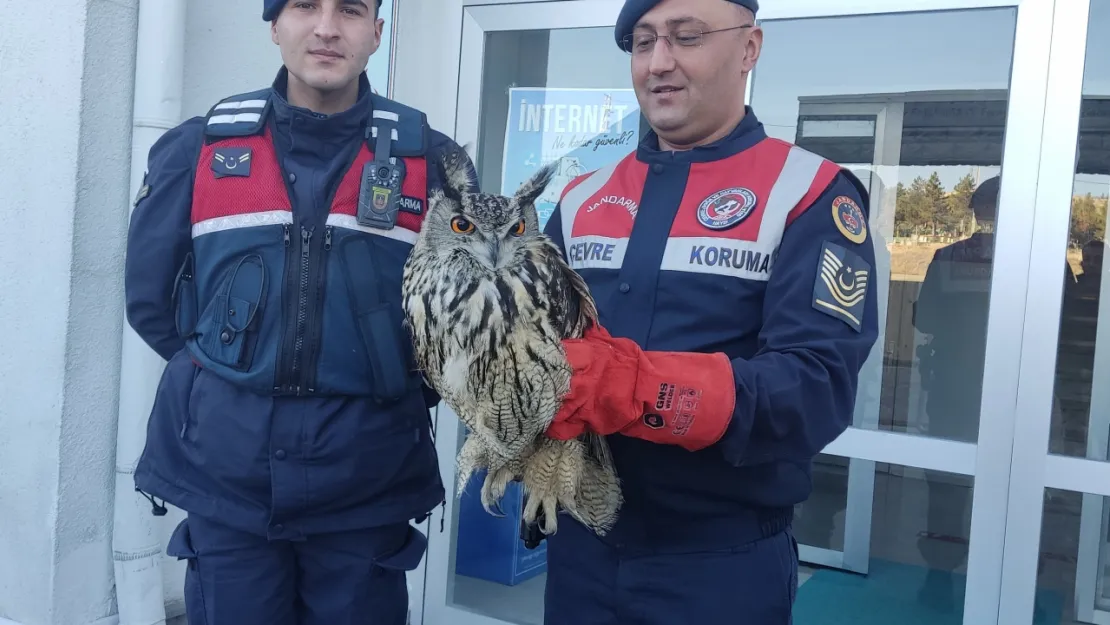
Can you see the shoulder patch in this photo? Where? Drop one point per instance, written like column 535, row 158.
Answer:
column 408, row 127
column 849, row 219
column 144, row 190
column 840, row 289
column 240, row 115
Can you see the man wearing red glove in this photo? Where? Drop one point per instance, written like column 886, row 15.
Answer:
column 677, row 398
column 731, row 272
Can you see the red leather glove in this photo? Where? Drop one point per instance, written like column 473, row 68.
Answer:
column 672, row 398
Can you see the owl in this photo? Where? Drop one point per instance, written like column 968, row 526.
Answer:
column 488, row 300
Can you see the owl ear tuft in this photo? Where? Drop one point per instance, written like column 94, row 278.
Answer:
column 535, row 186
column 455, row 171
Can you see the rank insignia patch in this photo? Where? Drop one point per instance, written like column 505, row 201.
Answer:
column 231, row 162
column 840, row 289
column 144, row 190
column 849, row 219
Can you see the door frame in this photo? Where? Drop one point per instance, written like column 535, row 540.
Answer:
column 1034, row 469
column 424, row 74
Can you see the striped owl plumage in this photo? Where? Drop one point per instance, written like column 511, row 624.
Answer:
column 488, row 298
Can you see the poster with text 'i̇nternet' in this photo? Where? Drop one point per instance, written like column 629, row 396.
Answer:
column 583, row 129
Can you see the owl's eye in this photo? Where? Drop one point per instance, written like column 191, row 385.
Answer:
column 518, row 229
column 461, row 225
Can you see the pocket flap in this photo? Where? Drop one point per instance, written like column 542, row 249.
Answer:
column 381, row 335
column 185, row 299
column 408, row 557
column 240, row 313
column 181, row 542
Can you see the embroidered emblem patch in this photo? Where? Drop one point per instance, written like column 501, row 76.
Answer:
column 849, row 219
column 380, row 198
column 231, row 162
column 726, row 208
column 840, row 289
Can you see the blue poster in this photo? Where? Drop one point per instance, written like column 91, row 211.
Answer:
column 583, row 129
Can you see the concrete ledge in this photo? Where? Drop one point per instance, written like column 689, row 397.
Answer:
column 108, row 620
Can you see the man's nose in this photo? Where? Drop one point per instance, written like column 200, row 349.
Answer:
column 326, row 23
column 662, row 60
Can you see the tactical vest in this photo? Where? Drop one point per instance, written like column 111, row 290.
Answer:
column 730, row 221
column 288, row 310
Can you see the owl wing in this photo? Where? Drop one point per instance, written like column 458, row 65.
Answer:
column 573, row 309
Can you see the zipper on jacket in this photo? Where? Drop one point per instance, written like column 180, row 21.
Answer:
column 312, row 346
column 281, row 374
column 303, row 285
column 296, row 304
column 302, row 299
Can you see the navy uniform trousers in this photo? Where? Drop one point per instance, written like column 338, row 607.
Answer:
column 345, row 578
column 590, row 582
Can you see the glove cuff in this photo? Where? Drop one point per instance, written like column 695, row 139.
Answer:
column 688, row 399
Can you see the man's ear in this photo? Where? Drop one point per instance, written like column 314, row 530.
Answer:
column 753, row 49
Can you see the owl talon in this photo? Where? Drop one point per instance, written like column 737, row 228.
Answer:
column 491, row 494
column 472, row 458
column 498, row 481
column 550, row 516
column 494, row 509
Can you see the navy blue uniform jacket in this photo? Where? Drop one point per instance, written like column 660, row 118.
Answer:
column 752, row 247
column 279, row 466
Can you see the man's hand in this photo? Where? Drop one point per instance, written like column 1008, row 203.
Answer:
column 673, row 398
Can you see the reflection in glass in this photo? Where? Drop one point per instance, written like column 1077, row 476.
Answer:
column 916, row 572
column 819, row 521
column 1081, row 408
column 923, row 128
column 1073, row 580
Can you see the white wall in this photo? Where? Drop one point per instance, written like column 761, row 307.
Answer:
column 228, row 51
column 437, row 66
column 63, row 195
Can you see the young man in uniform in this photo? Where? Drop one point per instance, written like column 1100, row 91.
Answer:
column 732, row 278
column 264, row 263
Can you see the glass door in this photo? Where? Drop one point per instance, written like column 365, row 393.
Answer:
column 537, row 81
column 1057, row 556
column 909, row 495
column 908, row 513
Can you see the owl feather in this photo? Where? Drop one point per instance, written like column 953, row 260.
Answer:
column 488, row 299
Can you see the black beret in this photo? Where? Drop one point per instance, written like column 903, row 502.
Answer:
column 633, row 10
column 271, row 8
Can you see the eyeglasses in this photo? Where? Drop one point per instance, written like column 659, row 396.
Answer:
column 642, row 43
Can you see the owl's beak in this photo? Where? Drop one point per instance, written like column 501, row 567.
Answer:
column 494, row 252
